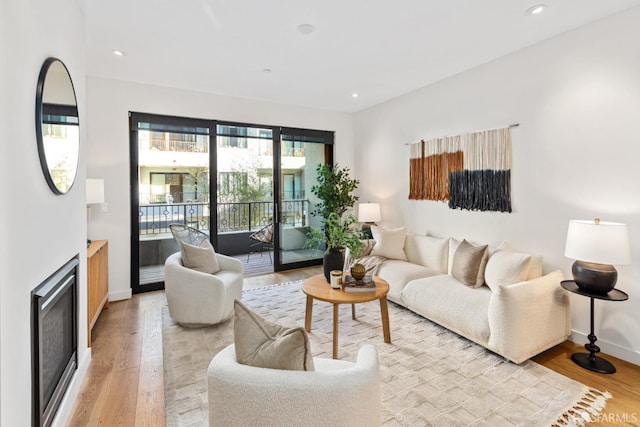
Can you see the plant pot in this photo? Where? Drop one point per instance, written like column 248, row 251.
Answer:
column 333, row 260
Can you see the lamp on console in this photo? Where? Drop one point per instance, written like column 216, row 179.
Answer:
column 95, row 191
column 596, row 245
column 368, row 213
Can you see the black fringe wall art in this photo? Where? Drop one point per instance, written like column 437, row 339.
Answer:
column 471, row 171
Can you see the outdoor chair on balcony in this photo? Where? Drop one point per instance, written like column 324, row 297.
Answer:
column 262, row 239
column 185, row 234
column 200, row 285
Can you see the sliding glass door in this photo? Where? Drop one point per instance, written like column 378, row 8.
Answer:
column 300, row 152
column 264, row 198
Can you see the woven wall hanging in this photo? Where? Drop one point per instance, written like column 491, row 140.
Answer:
column 471, row 171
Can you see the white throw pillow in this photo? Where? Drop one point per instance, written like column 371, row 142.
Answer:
column 389, row 242
column 535, row 266
column 505, row 268
column 201, row 258
column 428, row 251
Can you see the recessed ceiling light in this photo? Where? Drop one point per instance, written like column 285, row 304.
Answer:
column 117, row 52
column 536, row 10
column 354, row 95
column 306, row 29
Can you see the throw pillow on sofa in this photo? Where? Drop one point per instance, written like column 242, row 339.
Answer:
column 266, row 344
column 505, row 268
column 389, row 242
column 201, row 258
column 469, row 264
column 535, row 268
column 493, row 247
column 432, row 252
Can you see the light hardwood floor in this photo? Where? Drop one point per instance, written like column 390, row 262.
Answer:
column 124, row 383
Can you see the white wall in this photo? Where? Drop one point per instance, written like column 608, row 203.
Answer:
column 109, row 102
column 40, row 231
column 575, row 154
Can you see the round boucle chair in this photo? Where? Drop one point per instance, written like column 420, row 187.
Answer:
column 199, row 299
column 337, row 393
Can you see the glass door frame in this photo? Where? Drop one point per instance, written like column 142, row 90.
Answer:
column 327, row 138
column 134, row 118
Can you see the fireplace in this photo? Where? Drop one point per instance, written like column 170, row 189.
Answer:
column 54, row 341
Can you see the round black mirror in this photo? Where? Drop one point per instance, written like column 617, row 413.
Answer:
column 57, row 126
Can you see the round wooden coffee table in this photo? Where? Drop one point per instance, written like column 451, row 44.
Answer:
column 316, row 287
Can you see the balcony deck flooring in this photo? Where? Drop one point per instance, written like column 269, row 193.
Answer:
column 257, row 264
column 151, row 274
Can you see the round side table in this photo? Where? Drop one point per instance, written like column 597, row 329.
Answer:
column 589, row 360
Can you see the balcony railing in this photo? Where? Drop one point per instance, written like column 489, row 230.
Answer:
column 154, row 219
column 178, row 146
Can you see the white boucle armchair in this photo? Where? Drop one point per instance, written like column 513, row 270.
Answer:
column 337, row 393
column 199, row 299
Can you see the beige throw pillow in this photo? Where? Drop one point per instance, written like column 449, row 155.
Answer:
column 505, row 268
column 429, row 251
column 265, row 344
column 201, row 258
column 492, row 248
column 469, row 263
column 389, row 242
column 535, row 268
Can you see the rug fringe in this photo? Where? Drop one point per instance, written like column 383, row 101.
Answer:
column 585, row 410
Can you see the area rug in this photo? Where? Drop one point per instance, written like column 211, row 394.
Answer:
column 429, row 375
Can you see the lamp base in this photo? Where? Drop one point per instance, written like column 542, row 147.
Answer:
column 593, row 277
column 366, row 230
column 593, row 363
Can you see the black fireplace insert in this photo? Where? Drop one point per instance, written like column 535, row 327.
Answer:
column 54, row 340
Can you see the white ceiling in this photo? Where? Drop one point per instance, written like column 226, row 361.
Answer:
column 379, row 49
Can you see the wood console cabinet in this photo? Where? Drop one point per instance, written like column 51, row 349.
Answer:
column 97, row 282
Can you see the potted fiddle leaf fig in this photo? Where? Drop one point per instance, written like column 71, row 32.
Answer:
column 339, row 232
column 334, row 190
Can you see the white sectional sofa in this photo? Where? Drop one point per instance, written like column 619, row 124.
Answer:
column 494, row 296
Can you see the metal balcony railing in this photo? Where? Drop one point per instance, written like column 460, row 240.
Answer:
column 154, row 219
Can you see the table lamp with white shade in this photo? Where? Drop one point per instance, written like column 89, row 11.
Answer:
column 94, row 193
column 368, row 213
column 597, row 246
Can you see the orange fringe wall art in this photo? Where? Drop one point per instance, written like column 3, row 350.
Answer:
column 471, row 171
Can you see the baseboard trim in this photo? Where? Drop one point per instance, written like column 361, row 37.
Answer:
column 71, row 396
column 607, row 347
column 120, row 295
